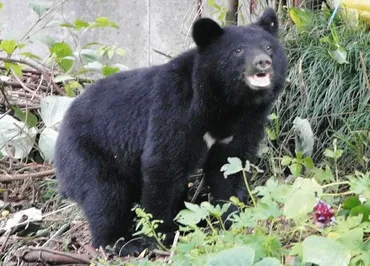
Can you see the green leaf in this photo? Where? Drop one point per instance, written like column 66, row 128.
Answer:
column 324, row 175
column 25, row 116
column 271, row 134
column 237, row 256
column 339, row 55
column 121, row 52
column 31, row 55
column 307, row 191
column 273, row 190
column 234, row 166
column 324, row 251
column 8, row 46
column 268, row 262
column 308, row 162
column 361, row 209
column 80, row 24
column 62, row 78
column 63, row 53
column 353, row 240
column 109, row 70
column 1, row 5
column 17, row 68
column 360, row 184
column 104, row 22
column 192, row 215
column 302, row 19
column 67, row 25
column 71, row 87
column 286, row 160
column 40, row 8
column 296, row 169
column 88, row 55
column 351, row 202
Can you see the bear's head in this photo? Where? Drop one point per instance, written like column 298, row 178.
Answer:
column 241, row 64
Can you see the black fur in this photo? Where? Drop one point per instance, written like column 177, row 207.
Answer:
column 137, row 135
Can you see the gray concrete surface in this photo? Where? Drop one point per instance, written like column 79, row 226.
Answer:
column 145, row 25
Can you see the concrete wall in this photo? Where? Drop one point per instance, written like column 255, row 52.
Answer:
column 145, row 25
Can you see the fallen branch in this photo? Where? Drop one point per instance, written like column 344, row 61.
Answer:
column 5, row 178
column 50, row 256
column 43, row 72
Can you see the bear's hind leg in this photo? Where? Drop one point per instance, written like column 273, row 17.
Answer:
column 108, row 210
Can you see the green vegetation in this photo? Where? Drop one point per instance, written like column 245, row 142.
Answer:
column 310, row 205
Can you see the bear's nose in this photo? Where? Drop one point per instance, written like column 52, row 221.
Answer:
column 262, row 62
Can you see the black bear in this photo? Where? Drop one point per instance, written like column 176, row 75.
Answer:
column 136, row 136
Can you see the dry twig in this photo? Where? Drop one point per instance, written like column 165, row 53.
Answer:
column 50, row 256
column 5, row 178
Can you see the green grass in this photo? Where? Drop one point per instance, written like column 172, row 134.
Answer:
column 334, row 97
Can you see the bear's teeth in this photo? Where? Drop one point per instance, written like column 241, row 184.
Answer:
column 259, row 81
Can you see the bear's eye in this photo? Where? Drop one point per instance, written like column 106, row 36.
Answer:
column 268, row 47
column 238, row 51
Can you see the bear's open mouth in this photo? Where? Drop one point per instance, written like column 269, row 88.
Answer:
column 259, row 80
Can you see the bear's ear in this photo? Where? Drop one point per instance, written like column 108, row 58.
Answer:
column 269, row 22
column 205, row 31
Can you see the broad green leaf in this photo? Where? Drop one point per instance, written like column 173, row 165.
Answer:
column 295, row 169
column 324, row 175
column 307, row 191
column 48, row 138
column 192, row 215
column 274, row 190
column 302, row 19
column 53, row 108
column 324, row 251
column 71, row 87
column 80, row 24
column 308, row 162
column 286, row 160
column 62, row 51
column 94, row 66
column 360, row 184
column 304, row 137
column 268, row 262
column 353, row 240
column 26, row 116
column 8, row 46
column 351, row 202
column 271, row 134
column 17, row 68
column 16, row 139
column 88, row 55
column 104, row 22
column 62, row 78
column 39, row 7
column 121, row 52
column 339, row 55
column 234, row 166
column 109, row 70
column 237, row 256
column 361, row 209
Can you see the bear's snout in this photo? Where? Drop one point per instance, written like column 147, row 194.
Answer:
column 262, row 62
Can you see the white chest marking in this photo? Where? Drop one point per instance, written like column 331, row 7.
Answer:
column 211, row 140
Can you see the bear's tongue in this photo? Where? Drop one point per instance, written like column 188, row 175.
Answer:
column 259, row 80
